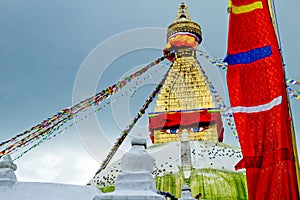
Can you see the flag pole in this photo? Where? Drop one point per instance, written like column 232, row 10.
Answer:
column 275, row 25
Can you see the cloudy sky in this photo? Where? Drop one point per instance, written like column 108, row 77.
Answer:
column 46, row 45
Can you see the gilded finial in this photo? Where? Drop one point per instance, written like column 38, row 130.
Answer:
column 182, row 13
column 184, row 23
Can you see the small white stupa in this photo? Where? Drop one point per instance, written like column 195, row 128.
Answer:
column 11, row 189
column 136, row 181
column 7, row 171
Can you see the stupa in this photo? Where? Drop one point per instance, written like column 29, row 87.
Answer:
column 185, row 110
column 186, row 127
column 135, row 182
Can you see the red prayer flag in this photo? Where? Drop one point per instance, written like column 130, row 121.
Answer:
column 258, row 98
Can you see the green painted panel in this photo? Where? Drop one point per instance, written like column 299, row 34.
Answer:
column 213, row 184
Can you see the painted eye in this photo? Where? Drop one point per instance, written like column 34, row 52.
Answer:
column 172, row 131
column 199, row 129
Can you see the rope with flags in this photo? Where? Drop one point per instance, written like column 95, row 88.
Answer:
column 219, row 101
column 293, row 93
column 43, row 130
column 102, row 106
column 218, row 62
column 125, row 132
column 291, row 81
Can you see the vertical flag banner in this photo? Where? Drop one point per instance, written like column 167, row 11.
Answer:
column 258, row 98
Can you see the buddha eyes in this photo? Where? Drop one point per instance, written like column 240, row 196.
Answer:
column 199, row 129
column 174, row 130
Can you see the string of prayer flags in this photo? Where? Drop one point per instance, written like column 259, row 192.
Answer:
column 213, row 60
column 125, row 132
column 293, row 93
column 57, row 131
column 220, row 103
column 49, row 125
column 291, row 81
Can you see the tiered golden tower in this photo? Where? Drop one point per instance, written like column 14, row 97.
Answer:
column 184, row 95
